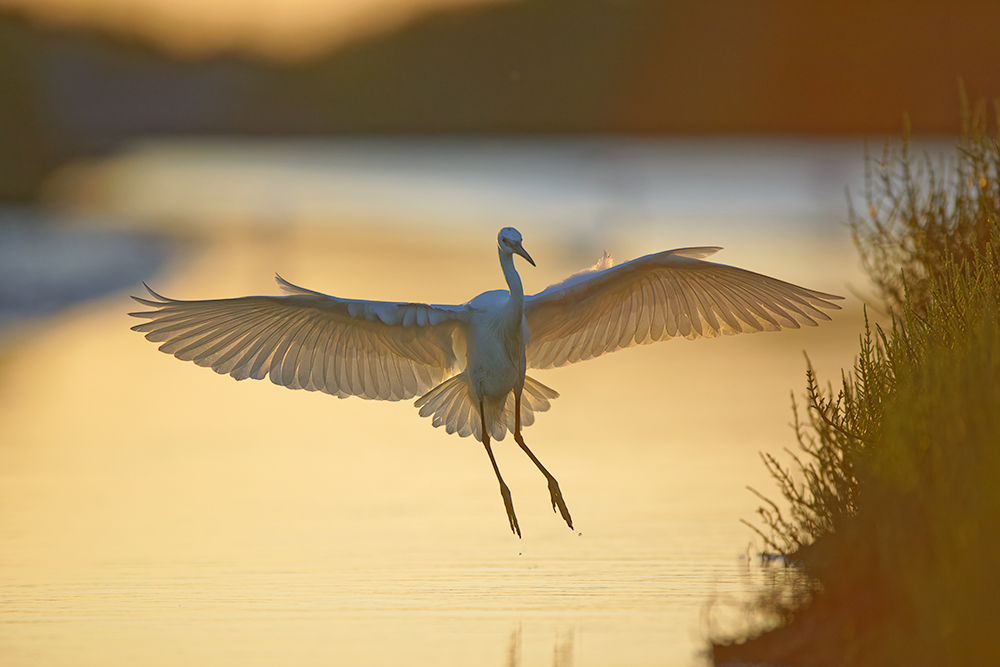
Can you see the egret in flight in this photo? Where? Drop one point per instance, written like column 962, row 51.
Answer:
column 467, row 363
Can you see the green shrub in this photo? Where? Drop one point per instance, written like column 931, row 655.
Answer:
column 894, row 498
column 919, row 216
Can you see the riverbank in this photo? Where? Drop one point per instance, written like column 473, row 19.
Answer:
column 50, row 262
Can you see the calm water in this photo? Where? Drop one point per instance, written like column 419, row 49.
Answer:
column 152, row 512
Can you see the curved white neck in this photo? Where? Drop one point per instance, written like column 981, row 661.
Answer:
column 510, row 274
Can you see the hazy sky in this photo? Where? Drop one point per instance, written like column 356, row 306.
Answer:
column 281, row 28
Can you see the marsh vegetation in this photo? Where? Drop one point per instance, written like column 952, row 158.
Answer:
column 892, row 497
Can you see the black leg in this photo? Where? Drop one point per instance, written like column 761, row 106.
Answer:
column 554, row 493
column 504, row 491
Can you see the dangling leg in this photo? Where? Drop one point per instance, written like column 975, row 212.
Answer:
column 504, row 491
column 554, row 493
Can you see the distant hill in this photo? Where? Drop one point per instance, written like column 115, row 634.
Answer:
column 657, row 66
column 538, row 66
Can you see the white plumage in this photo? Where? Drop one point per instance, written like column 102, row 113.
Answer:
column 468, row 363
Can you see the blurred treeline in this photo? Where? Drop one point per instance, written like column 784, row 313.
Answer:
column 533, row 66
column 895, row 494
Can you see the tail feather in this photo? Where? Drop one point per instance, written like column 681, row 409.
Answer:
column 450, row 404
column 534, row 398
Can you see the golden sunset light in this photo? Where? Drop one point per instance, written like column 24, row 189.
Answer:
column 219, row 218
column 284, row 29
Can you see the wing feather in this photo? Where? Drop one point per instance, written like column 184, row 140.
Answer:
column 683, row 314
column 645, row 313
column 332, row 362
column 213, row 347
column 246, row 351
column 261, row 361
column 661, row 296
column 729, row 308
column 707, row 314
column 316, row 375
column 277, row 375
column 308, row 340
column 747, row 310
column 303, row 366
column 659, row 301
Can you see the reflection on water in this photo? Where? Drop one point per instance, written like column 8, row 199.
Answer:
column 562, row 653
column 152, row 512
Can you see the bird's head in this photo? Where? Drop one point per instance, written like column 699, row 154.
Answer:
column 509, row 240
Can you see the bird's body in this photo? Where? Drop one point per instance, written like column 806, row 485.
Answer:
column 468, row 363
column 495, row 353
column 495, row 341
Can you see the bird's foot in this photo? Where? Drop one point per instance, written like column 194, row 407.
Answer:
column 558, row 503
column 508, row 503
column 554, row 493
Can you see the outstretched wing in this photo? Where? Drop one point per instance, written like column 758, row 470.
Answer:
column 307, row 340
column 656, row 297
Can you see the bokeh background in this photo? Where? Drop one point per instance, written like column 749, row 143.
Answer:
column 81, row 77
column 152, row 512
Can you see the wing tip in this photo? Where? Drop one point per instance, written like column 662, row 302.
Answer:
column 149, row 289
column 824, row 300
column 290, row 288
column 824, row 295
column 157, row 302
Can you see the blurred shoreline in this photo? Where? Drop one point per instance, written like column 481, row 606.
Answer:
column 109, row 224
column 577, row 184
column 47, row 263
column 644, row 69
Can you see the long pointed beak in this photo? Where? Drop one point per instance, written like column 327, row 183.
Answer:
column 519, row 249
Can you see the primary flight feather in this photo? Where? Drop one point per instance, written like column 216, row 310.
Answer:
column 468, row 362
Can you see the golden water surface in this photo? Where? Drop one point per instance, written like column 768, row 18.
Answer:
column 155, row 513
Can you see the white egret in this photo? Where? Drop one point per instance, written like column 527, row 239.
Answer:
column 467, row 363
